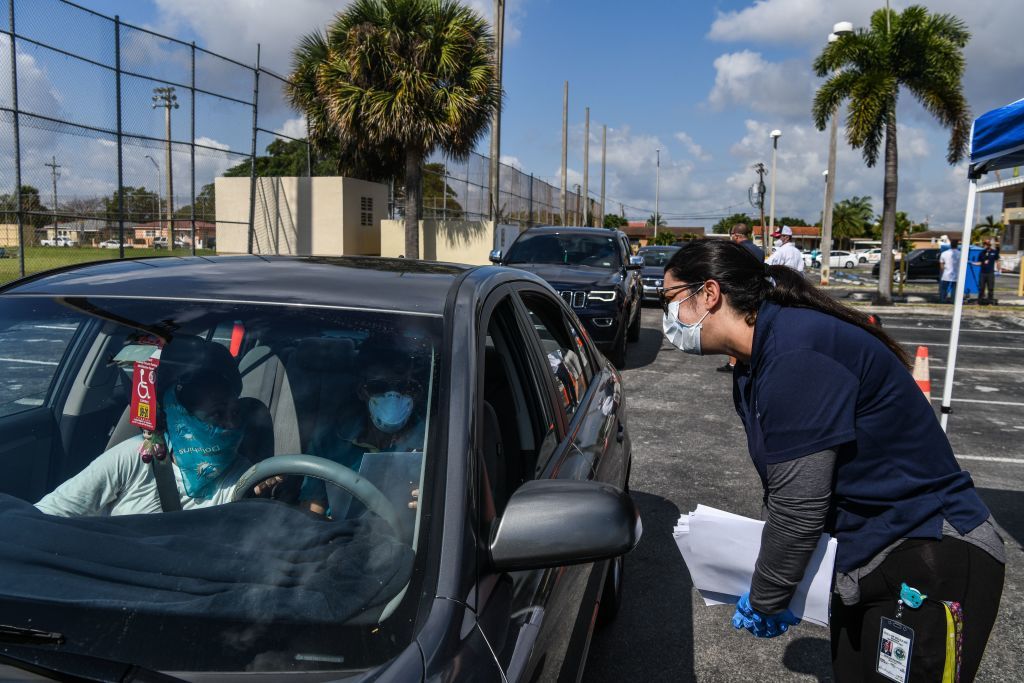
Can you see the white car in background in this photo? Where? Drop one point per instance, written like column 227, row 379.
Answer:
column 839, row 259
column 869, row 255
column 113, row 244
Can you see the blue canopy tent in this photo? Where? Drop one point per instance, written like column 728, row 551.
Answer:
column 997, row 142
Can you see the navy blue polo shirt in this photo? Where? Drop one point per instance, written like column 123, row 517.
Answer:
column 815, row 382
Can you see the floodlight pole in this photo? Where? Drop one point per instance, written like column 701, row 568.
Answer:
column 165, row 97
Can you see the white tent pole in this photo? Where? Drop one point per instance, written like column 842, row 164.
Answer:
column 958, row 304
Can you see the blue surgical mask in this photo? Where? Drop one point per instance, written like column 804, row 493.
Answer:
column 684, row 337
column 390, row 411
column 203, row 452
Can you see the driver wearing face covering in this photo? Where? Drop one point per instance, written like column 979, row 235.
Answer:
column 386, row 417
column 200, row 430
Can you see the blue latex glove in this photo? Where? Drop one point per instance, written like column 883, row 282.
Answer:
column 761, row 625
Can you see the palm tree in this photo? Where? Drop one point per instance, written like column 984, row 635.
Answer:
column 913, row 49
column 413, row 76
column 851, row 217
column 990, row 228
column 656, row 217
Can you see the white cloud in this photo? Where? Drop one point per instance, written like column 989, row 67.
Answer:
column 293, row 128
column 746, row 79
column 692, row 147
column 512, row 161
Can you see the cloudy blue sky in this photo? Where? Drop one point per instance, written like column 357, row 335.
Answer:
column 703, row 81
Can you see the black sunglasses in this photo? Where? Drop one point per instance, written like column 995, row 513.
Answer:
column 665, row 301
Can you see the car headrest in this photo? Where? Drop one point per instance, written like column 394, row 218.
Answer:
column 325, row 354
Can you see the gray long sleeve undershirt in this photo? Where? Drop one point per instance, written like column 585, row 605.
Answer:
column 798, row 496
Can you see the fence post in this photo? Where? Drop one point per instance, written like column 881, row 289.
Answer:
column 252, row 157
column 529, row 215
column 17, row 143
column 120, row 140
column 192, row 154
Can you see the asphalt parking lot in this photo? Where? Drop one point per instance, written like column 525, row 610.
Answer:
column 689, row 448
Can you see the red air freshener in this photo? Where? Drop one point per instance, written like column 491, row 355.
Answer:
column 143, row 409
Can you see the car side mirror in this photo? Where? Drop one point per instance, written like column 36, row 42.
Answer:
column 635, row 263
column 554, row 523
column 496, row 256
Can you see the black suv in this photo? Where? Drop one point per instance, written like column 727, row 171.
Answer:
column 592, row 271
column 922, row 264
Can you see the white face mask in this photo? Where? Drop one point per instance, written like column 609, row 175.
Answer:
column 684, row 337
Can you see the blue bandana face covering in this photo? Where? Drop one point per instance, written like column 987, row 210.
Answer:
column 202, row 451
column 390, row 411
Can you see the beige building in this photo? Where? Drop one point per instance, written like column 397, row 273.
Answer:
column 327, row 216
column 8, row 234
column 468, row 242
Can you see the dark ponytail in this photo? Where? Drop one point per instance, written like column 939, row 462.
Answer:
column 747, row 282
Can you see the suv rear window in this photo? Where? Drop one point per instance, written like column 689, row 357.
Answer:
column 597, row 251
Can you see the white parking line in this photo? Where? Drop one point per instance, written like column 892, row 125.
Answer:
column 987, row 458
column 978, row 400
column 31, row 362
column 946, row 329
column 1006, row 371
column 965, row 346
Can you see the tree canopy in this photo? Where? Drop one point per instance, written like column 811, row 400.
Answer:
column 724, row 226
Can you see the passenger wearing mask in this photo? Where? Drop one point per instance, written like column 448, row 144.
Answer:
column 199, row 430
column 387, row 417
column 787, row 254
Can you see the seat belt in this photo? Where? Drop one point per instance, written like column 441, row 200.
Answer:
column 166, row 487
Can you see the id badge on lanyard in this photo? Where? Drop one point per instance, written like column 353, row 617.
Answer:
column 896, row 639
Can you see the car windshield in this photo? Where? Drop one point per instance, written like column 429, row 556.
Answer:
column 111, row 407
column 656, row 257
column 569, row 249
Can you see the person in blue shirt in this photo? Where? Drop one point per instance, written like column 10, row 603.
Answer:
column 846, row 443
column 387, row 416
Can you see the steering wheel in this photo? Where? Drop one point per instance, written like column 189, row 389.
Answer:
column 332, row 472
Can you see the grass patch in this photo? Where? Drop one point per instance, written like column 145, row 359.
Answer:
column 39, row 259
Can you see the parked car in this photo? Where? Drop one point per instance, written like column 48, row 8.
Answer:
column 113, row 244
column 838, row 259
column 653, row 273
column 592, row 270
column 868, row 255
column 58, row 242
column 522, row 470
column 922, row 264
column 161, row 243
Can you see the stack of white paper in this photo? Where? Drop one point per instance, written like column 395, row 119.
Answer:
column 720, row 550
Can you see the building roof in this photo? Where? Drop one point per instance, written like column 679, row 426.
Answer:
column 928, row 234
column 179, row 224
column 798, row 230
column 347, row 282
column 641, row 229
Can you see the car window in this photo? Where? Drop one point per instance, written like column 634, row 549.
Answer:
column 564, row 348
column 354, row 391
column 657, row 257
column 573, row 249
column 519, row 435
column 30, row 353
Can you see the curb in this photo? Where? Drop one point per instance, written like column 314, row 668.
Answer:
column 942, row 310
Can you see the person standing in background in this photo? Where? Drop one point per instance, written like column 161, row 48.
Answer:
column 787, row 254
column 987, row 259
column 741, row 235
column 949, row 263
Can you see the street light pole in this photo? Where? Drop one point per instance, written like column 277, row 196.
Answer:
column 158, row 208
column 54, row 173
column 657, row 194
column 165, row 97
column 499, row 49
column 586, row 166
column 565, row 153
column 841, row 28
column 775, row 135
column 604, row 154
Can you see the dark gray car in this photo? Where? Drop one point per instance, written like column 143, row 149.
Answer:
column 486, row 549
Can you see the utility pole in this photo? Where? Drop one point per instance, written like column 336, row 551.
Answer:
column 759, row 169
column 604, row 155
column 159, row 210
column 565, row 151
column 657, row 195
column 54, row 174
column 165, row 97
column 586, row 166
column 499, row 49
column 775, row 135
column 577, row 221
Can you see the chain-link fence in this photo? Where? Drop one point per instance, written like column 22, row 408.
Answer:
column 111, row 136
column 460, row 190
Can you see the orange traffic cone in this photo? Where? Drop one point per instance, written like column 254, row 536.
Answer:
column 921, row 374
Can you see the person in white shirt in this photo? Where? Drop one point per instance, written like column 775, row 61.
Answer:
column 200, row 430
column 787, row 254
column 949, row 262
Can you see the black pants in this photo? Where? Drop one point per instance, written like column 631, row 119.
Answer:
column 949, row 569
column 988, row 281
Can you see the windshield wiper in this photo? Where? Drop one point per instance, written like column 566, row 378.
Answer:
column 23, row 635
